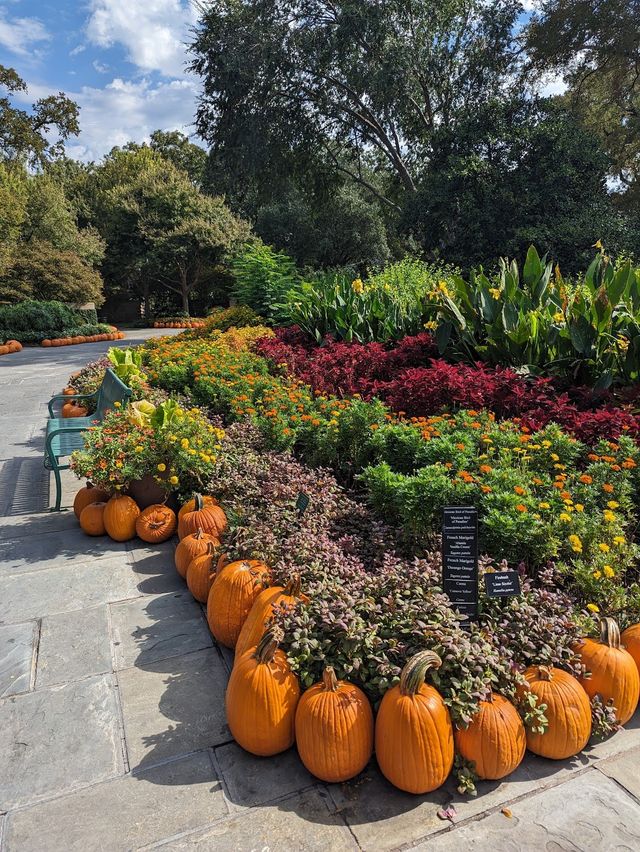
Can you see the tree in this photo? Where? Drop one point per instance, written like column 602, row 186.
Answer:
column 515, row 174
column 175, row 147
column 595, row 45
column 366, row 84
column 38, row 135
column 13, row 204
column 160, row 229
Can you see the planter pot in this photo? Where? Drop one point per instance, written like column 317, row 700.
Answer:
column 146, row 492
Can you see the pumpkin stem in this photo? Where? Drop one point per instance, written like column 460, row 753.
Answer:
column 609, row 632
column 545, row 673
column 199, row 503
column 293, row 587
column 268, row 645
column 413, row 674
column 330, row 679
column 211, row 548
column 198, row 533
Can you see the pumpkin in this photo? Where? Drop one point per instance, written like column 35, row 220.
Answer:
column 231, row 597
column 46, row 342
column 156, row 523
column 190, row 505
column 4, row 350
column 14, row 345
column 201, row 573
column 631, row 640
column 120, row 516
column 261, row 699
column 262, row 610
column 69, row 392
column 210, row 519
column 614, row 674
column 334, row 729
column 495, row 740
column 414, row 734
column 191, row 546
column 92, row 519
column 71, row 409
column 568, row 713
column 89, row 494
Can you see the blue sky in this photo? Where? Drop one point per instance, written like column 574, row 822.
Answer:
column 122, row 61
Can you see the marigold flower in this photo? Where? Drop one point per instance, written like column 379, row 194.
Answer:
column 521, row 507
column 593, row 607
column 161, row 467
column 604, row 547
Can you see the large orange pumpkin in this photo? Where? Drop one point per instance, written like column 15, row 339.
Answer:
column 231, row 597
column 190, row 505
column 631, row 641
column 334, row 729
column 89, row 494
column 201, row 573
column 192, row 545
column 495, row 740
column 92, row 519
column 120, row 516
column 261, row 699
column 258, row 619
column 210, row 519
column 568, row 713
column 72, row 409
column 156, row 523
column 414, row 734
column 614, row 674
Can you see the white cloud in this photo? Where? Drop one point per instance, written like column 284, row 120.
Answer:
column 154, row 32
column 79, row 48
column 127, row 111
column 100, row 67
column 21, row 35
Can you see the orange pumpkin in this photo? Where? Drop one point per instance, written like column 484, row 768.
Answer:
column 72, row 409
column 192, row 545
column 631, row 641
column 46, row 342
column 334, row 729
column 69, row 392
column 414, row 734
column 614, row 674
column 201, row 573
column 258, row 619
column 92, row 519
column 87, row 495
column 120, row 516
column 261, row 699
column 210, row 519
column 568, row 713
column 190, row 505
column 156, row 523
column 495, row 740
column 14, row 345
column 231, row 597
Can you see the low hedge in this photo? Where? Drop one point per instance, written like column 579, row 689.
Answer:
column 37, row 336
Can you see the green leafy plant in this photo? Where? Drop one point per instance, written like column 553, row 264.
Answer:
column 262, row 279
column 127, row 365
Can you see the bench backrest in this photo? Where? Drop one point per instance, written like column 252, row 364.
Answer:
column 111, row 390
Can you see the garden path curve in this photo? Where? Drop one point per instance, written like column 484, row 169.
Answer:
column 112, row 724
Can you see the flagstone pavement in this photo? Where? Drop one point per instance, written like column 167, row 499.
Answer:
column 112, row 723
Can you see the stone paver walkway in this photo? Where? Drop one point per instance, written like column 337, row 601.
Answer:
column 112, row 725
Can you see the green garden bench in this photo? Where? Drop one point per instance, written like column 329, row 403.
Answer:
column 64, row 435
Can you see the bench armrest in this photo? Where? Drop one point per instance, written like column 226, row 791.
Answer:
column 69, row 397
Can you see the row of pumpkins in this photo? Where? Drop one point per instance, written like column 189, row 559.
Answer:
column 10, row 346
column 178, row 324
column 84, row 338
column 332, row 723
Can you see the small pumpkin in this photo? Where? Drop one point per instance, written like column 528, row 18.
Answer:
column 69, row 392
column 261, row 699
column 495, row 739
column 568, row 713
column 258, row 619
column 414, row 734
column 120, row 516
column 334, row 729
column 210, row 519
column 92, row 519
column 192, row 545
column 156, row 523
column 46, row 342
column 190, row 505
column 231, row 597
column 72, row 409
column 201, row 573
column 631, row 641
column 14, row 345
column 614, row 674
column 87, row 495
column 4, row 350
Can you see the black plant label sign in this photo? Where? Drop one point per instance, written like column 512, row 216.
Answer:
column 502, row 584
column 460, row 558
column 302, row 503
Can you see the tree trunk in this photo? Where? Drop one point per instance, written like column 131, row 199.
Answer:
column 185, row 299
column 145, row 301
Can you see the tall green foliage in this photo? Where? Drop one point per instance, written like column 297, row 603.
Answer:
column 263, row 278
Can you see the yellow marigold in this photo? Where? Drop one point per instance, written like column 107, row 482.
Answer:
column 618, row 539
column 593, row 607
column 608, row 571
column 597, row 575
column 566, row 519
column 608, row 516
column 173, row 480
column 544, row 505
column 579, row 507
column 576, row 543
column 612, row 504
column 604, row 547
column 162, row 467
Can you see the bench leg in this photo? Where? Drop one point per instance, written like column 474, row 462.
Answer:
column 56, row 472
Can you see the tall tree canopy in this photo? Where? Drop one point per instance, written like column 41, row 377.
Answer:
column 367, row 83
column 38, row 135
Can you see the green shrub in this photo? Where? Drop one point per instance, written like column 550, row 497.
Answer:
column 262, row 279
column 36, row 316
column 237, row 316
